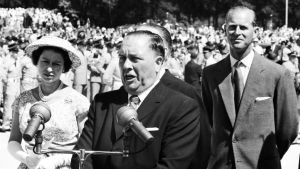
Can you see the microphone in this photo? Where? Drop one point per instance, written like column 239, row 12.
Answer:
column 40, row 113
column 127, row 117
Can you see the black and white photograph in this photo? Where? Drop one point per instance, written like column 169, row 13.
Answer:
column 149, row 84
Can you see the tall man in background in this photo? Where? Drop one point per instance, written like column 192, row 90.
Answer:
column 250, row 101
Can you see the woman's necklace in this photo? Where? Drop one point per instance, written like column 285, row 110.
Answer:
column 43, row 97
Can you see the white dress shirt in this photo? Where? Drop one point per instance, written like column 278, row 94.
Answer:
column 245, row 64
column 142, row 96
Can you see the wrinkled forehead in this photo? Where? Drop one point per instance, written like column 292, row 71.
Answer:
column 133, row 43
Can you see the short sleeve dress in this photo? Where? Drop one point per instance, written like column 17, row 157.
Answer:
column 61, row 131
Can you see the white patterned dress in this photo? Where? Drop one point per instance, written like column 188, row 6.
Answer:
column 61, row 131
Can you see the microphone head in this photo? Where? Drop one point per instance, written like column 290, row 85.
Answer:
column 42, row 109
column 125, row 114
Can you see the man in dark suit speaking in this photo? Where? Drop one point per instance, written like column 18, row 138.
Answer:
column 250, row 101
column 201, row 156
column 176, row 115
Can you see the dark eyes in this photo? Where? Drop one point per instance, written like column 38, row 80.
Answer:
column 132, row 58
column 56, row 64
column 243, row 28
column 234, row 27
column 48, row 62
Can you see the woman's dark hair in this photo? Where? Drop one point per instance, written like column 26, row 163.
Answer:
column 37, row 53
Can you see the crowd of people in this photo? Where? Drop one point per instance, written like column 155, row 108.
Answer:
column 106, row 55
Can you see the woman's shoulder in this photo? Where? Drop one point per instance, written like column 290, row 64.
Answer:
column 74, row 95
column 78, row 100
column 27, row 95
column 69, row 91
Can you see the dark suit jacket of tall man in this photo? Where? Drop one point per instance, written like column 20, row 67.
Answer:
column 192, row 74
column 266, row 122
column 175, row 114
column 201, row 156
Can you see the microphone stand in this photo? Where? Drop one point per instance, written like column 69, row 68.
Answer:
column 38, row 142
column 126, row 141
column 82, row 153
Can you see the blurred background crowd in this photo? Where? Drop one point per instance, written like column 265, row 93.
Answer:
column 99, row 72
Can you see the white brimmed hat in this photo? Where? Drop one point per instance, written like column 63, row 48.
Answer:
column 53, row 41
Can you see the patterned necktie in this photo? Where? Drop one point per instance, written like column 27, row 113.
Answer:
column 134, row 101
column 238, row 84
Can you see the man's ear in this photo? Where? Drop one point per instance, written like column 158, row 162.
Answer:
column 159, row 60
column 224, row 27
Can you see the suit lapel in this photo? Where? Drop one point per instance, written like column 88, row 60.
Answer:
column 226, row 90
column 252, row 84
column 145, row 109
column 115, row 107
column 167, row 78
column 153, row 98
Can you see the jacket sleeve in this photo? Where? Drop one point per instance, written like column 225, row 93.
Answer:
column 286, row 118
column 206, row 96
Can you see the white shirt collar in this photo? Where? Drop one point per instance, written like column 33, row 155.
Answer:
column 161, row 72
column 247, row 61
column 142, row 96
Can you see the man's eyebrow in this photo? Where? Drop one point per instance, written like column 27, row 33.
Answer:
column 133, row 55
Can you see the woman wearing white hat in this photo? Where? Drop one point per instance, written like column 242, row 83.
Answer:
column 52, row 56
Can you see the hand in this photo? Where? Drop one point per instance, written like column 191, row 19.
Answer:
column 47, row 163
column 46, row 144
column 56, row 161
column 32, row 161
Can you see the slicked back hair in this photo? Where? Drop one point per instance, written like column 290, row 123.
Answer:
column 156, row 42
column 241, row 7
column 162, row 32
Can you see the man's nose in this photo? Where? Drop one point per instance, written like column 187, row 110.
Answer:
column 127, row 64
column 237, row 30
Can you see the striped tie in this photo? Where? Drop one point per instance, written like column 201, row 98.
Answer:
column 134, row 101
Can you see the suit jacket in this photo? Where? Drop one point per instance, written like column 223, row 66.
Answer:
column 174, row 114
column 260, row 133
column 178, row 85
column 202, row 153
column 192, row 74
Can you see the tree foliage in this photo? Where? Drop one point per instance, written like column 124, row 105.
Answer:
column 120, row 12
